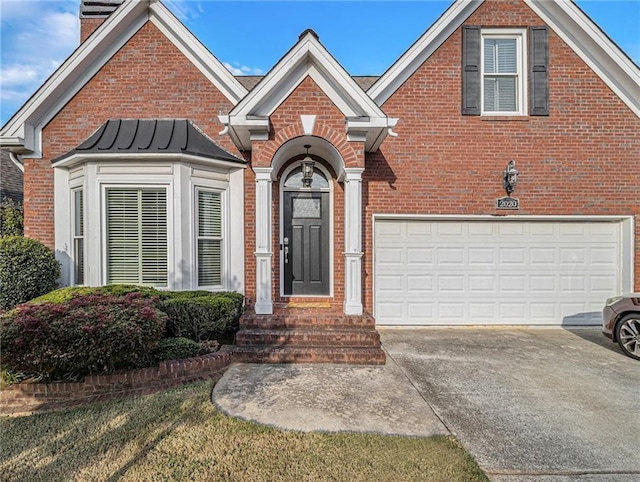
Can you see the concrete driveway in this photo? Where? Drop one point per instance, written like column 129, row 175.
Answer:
column 548, row 405
column 529, row 404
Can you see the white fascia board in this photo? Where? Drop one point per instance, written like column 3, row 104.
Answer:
column 421, row 50
column 72, row 75
column 594, row 47
column 77, row 159
column 308, row 57
column 197, row 53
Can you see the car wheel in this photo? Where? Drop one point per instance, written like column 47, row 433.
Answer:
column 628, row 335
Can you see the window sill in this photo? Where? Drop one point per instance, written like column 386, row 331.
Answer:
column 505, row 118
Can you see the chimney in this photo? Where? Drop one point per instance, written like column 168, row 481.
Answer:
column 93, row 13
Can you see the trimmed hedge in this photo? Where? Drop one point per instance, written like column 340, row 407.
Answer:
column 200, row 317
column 27, row 269
column 179, row 348
column 89, row 334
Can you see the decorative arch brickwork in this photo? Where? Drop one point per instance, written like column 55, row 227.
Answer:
column 264, row 151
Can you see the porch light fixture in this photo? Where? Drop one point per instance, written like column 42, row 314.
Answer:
column 307, row 168
column 510, row 177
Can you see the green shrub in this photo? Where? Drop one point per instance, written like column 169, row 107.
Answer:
column 198, row 315
column 27, row 269
column 11, row 218
column 201, row 315
column 89, row 334
column 177, row 348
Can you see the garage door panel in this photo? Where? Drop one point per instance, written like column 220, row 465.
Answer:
column 454, row 256
column 391, row 284
column 390, row 256
column 494, row 272
column 602, row 255
column 447, row 230
column 420, row 311
column 543, row 256
column 573, row 284
column 482, row 256
column 513, row 256
column 543, row 284
column 482, row 283
column 418, row 284
column 450, row 311
column 602, row 284
column 420, row 256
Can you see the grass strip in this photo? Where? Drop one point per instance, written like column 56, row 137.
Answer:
column 179, row 435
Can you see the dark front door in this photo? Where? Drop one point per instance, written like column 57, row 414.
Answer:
column 305, row 245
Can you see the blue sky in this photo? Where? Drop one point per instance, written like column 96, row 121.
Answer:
column 249, row 37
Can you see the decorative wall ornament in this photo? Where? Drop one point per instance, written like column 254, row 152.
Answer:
column 510, row 177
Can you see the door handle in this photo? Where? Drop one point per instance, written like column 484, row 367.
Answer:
column 285, row 241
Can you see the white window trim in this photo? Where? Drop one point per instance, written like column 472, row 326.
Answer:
column 282, row 189
column 223, row 238
column 170, row 229
column 75, row 236
column 520, row 35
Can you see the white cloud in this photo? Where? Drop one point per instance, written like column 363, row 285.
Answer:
column 237, row 69
column 184, row 9
column 36, row 38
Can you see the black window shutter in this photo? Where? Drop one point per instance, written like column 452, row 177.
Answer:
column 538, row 71
column 471, row 78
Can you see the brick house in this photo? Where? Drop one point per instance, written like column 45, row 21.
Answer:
column 489, row 176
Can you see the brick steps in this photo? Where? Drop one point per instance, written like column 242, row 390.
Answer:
column 307, row 335
column 306, row 320
column 296, row 354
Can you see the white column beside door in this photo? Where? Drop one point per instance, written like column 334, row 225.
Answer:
column 264, row 242
column 353, row 241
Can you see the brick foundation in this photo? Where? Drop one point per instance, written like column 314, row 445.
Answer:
column 26, row 398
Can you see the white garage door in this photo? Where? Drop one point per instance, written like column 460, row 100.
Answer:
column 494, row 272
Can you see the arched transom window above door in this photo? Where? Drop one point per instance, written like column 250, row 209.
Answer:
column 294, row 179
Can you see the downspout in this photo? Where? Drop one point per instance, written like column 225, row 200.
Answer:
column 15, row 160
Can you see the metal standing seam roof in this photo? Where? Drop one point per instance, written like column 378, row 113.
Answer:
column 151, row 136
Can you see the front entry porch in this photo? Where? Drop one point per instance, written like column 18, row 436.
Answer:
column 307, row 333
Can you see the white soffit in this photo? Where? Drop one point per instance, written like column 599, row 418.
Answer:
column 580, row 33
column 250, row 118
column 23, row 132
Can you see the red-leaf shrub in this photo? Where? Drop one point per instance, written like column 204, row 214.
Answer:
column 89, row 334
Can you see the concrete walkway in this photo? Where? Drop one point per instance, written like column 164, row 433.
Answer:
column 332, row 398
column 549, row 405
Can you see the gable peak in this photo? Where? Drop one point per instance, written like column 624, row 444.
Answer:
column 309, row 31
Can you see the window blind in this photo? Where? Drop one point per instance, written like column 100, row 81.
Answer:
column 209, row 238
column 137, row 236
column 78, row 236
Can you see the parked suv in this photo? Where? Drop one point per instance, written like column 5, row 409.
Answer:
column 621, row 323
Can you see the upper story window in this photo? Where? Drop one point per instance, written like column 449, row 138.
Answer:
column 503, row 72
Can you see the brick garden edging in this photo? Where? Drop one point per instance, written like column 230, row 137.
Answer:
column 26, row 398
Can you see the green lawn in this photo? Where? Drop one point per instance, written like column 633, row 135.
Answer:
column 179, row 435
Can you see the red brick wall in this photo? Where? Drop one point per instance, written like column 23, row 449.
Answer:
column 148, row 78
column 581, row 159
column 88, row 26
